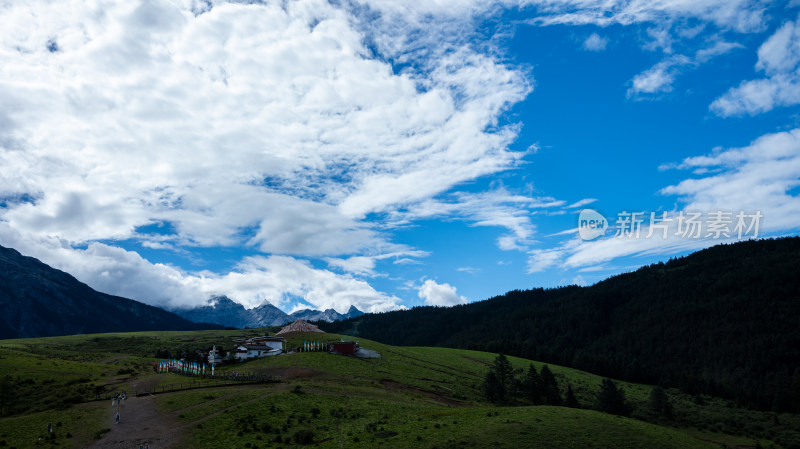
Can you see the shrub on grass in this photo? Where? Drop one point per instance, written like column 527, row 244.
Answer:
column 659, row 403
column 303, row 436
column 612, row 399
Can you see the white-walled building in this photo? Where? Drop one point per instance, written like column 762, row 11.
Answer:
column 255, row 347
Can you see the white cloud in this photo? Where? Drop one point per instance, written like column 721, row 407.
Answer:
column 278, row 279
column 660, row 78
column 659, row 38
column 739, row 15
column 365, row 265
column 656, row 79
column 595, row 43
column 579, row 280
column 283, row 122
column 582, row 202
column 276, row 126
column 436, row 294
column 716, row 48
column 496, row 208
column 761, row 177
column 779, row 59
column 670, row 26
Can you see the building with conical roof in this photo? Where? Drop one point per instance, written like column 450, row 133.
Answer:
column 297, row 327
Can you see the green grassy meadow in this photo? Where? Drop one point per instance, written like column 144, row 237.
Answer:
column 410, row 397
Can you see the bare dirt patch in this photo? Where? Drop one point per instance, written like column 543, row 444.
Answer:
column 475, row 360
column 392, row 385
column 140, row 424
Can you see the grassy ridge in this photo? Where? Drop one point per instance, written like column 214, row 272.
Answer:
column 365, row 422
column 411, row 396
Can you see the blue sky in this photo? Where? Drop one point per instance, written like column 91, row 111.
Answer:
column 386, row 154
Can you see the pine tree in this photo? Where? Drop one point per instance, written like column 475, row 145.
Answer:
column 532, row 386
column 612, row 399
column 492, row 388
column 571, row 401
column 659, row 403
column 499, row 380
column 549, row 387
column 505, row 374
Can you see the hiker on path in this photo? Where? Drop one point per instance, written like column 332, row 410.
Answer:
column 117, row 419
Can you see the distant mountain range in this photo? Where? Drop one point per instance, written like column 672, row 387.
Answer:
column 37, row 300
column 222, row 310
column 328, row 315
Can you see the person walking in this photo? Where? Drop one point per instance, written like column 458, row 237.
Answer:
column 117, row 419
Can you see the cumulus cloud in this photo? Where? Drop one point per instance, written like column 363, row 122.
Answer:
column 436, row 294
column 657, row 79
column 779, row 59
column 281, row 280
column 595, row 43
column 274, row 126
column 280, row 127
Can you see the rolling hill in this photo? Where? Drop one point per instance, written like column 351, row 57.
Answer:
column 410, row 397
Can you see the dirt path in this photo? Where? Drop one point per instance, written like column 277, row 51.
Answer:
column 140, row 424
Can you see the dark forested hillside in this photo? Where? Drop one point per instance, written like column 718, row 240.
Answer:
column 37, row 301
column 724, row 321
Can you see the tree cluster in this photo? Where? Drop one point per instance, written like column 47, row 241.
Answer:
column 504, row 385
column 611, row 399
